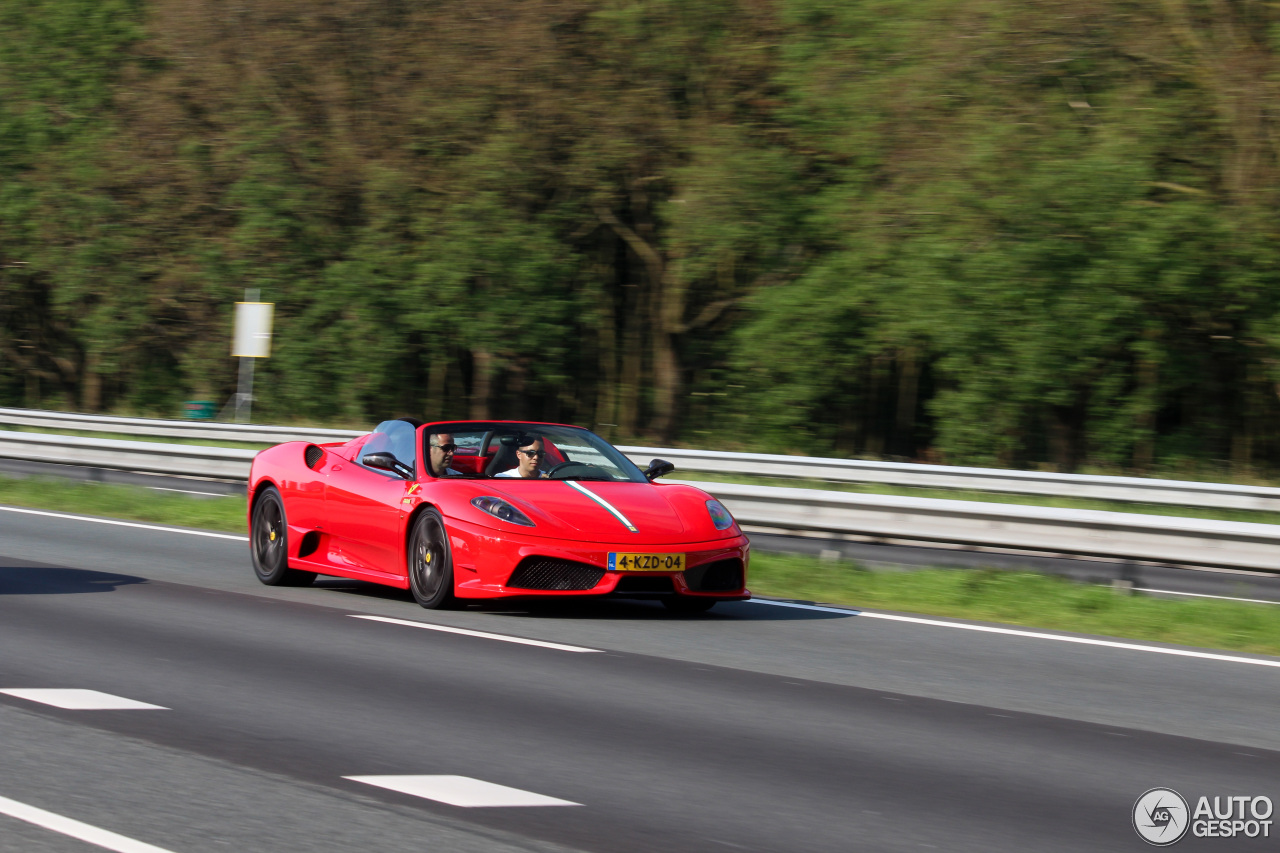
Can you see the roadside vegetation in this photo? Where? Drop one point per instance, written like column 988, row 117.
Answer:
column 1020, row 233
column 1026, row 599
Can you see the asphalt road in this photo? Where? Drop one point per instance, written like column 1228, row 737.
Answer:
column 757, row 727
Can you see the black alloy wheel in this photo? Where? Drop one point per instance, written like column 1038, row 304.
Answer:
column 430, row 562
column 269, row 543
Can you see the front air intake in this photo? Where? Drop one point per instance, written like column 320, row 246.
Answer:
column 644, row 585
column 546, row 573
column 312, row 455
column 720, row 576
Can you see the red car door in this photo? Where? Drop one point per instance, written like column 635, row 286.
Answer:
column 363, row 511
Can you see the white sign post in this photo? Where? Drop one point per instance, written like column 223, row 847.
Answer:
column 252, row 340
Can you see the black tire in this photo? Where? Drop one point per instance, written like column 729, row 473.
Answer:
column 686, row 606
column 269, row 543
column 430, row 562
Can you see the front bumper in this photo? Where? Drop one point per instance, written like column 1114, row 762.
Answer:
column 505, row 564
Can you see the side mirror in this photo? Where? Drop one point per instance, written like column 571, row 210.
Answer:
column 387, row 462
column 658, row 468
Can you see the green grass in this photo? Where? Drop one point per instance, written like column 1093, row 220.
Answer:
column 1021, row 598
column 134, row 503
column 1017, row 598
column 1175, row 510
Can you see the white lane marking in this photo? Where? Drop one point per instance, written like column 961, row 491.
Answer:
column 190, row 492
column 461, row 791
column 116, row 523
column 74, row 699
column 604, row 503
column 1205, row 595
column 75, row 829
column 1036, row 635
column 468, row 633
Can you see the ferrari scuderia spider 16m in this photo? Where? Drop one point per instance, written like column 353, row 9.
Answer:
column 449, row 511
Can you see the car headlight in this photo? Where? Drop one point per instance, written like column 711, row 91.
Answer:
column 499, row 508
column 719, row 515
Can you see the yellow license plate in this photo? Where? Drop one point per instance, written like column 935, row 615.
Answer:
column 646, row 562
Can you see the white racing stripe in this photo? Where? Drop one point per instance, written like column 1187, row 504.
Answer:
column 75, row 829
column 461, row 791
column 113, row 522
column 468, row 633
column 1035, row 635
column 604, row 503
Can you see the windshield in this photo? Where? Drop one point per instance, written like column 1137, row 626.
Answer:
column 525, row 451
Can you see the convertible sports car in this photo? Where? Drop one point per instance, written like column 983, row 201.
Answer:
column 493, row 509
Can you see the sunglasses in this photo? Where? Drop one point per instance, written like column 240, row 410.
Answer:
column 532, row 454
column 447, row 448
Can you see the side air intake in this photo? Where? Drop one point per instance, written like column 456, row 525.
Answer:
column 312, row 455
column 546, row 573
column 720, row 576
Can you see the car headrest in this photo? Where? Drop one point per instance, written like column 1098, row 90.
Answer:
column 505, row 459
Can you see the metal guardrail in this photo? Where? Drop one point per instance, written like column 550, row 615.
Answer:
column 151, row 457
column 1126, row 536
column 161, row 428
column 1129, row 489
column 1119, row 535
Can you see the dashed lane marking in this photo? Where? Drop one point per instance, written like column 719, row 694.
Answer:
column 461, row 791
column 468, row 633
column 75, row 829
column 80, row 700
column 1035, row 635
column 116, row 523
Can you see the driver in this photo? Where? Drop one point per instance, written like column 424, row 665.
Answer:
column 527, row 459
column 442, row 448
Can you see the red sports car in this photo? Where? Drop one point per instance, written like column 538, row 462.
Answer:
column 493, row 509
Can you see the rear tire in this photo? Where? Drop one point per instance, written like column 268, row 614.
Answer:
column 269, row 543
column 686, row 606
column 430, row 562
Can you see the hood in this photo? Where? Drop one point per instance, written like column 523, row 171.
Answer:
column 660, row 514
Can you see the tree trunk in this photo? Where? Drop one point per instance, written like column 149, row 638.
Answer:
column 629, row 386
column 908, row 385
column 607, row 358
column 666, row 384
column 436, row 406
column 91, row 386
column 483, row 367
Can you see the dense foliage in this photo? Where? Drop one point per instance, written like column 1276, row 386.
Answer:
column 987, row 231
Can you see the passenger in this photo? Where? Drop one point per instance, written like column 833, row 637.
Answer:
column 527, row 459
column 442, row 449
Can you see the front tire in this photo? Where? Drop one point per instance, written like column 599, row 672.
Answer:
column 430, row 562
column 269, row 543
